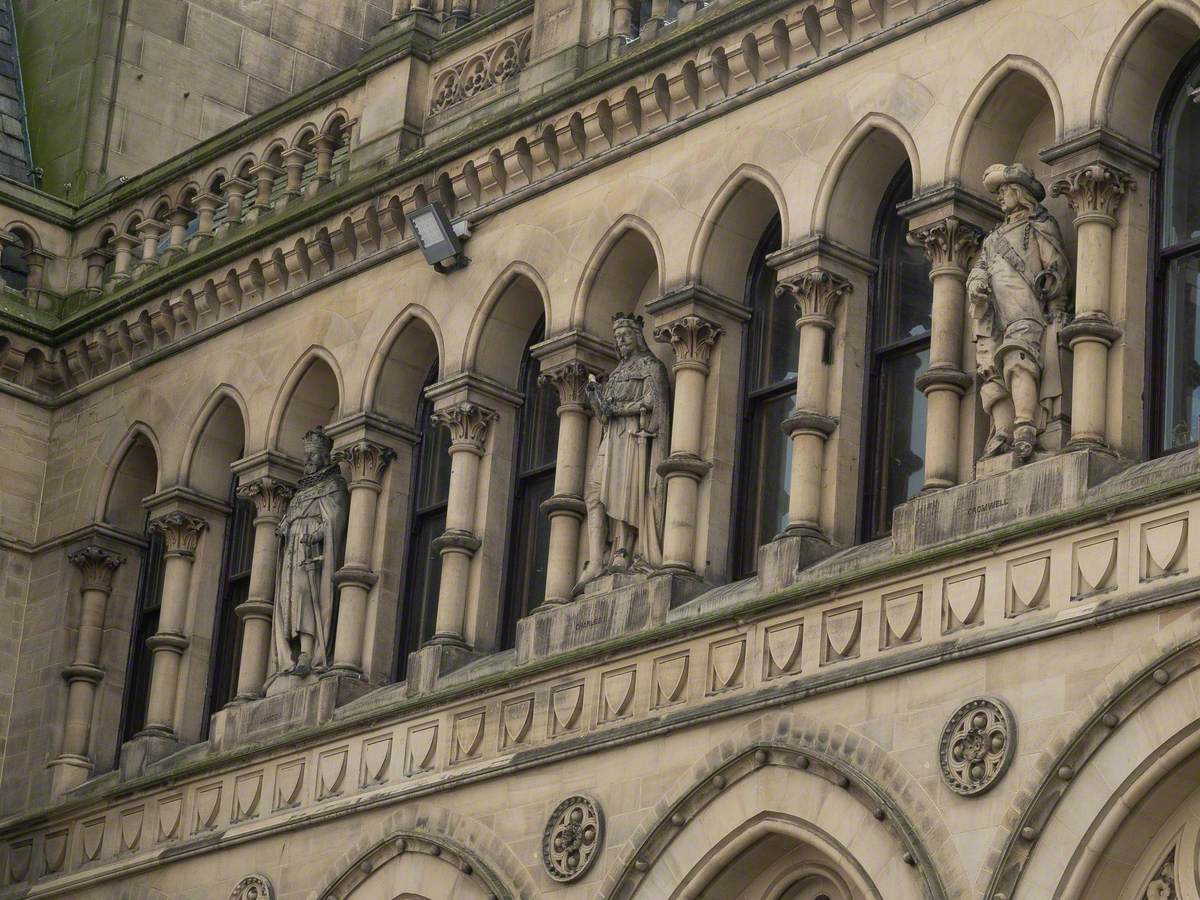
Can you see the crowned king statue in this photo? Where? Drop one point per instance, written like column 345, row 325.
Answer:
column 625, row 495
column 313, row 533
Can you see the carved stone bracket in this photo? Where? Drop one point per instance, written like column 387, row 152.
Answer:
column 977, row 745
column 692, row 338
column 97, row 566
column 1094, row 191
column 180, row 531
column 816, row 294
column 569, row 379
column 468, row 424
column 270, row 496
column 366, row 461
column 948, row 244
column 572, row 839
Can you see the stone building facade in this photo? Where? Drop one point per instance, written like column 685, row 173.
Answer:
column 897, row 589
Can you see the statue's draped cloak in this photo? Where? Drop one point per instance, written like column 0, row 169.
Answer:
column 1017, row 319
column 631, row 448
column 321, row 505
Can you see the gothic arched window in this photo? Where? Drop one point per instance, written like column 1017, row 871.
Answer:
column 1175, row 412
column 898, row 334
column 14, row 261
column 529, row 535
column 427, row 520
column 772, row 351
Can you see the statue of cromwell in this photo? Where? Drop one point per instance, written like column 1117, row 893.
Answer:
column 1018, row 294
column 313, row 533
column 625, row 495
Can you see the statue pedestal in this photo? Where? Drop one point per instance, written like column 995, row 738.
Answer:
column 610, row 606
column 305, row 706
column 433, row 661
column 141, row 751
column 1009, row 496
column 780, row 561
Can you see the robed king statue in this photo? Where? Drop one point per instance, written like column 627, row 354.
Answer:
column 625, row 495
column 1018, row 294
column 313, row 537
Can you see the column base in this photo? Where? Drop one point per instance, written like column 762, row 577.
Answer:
column 434, row 661
column 610, row 606
column 782, row 560
column 144, row 749
column 262, row 718
column 68, row 771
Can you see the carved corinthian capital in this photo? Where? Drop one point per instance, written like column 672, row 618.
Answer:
column 269, row 496
column 569, row 379
column 97, row 565
column 468, row 424
column 692, row 338
column 1094, row 191
column 817, row 294
column 366, row 460
column 181, row 532
column 948, row 244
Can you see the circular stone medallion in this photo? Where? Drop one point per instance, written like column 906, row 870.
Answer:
column 977, row 745
column 572, row 838
column 253, row 887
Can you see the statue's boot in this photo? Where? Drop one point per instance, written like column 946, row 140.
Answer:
column 999, row 443
column 595, row 564
column 1024, row 438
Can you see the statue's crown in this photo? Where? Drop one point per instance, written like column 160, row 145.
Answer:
column 628, row 320
column 317, row 439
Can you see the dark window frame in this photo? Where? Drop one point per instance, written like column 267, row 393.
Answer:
column 1160, row 260
column 872, row 475
column 752, row 399
column 233, row 588
column 139, row 662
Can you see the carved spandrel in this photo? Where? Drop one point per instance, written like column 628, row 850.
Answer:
column 97, row 565
column 468, row 424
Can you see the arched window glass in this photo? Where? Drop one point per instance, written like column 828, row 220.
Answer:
column 772, row 351
column 234, row 589
column 145, row 625
column 14, row 262
column 1177, row 364
column 427, row 518
column 901, row 309
column 529, row 536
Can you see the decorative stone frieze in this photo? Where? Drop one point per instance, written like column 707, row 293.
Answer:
column 1094, row 191
column 468, row 424
column 816, row 294
column 692, row 339
column 180, row 531
column 977, row 746
column 572, row 839
column 495, row 65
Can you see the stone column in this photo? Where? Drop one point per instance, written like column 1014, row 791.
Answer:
column 96, row 259
column 72, row 765
column 123, row 257
column 270, row 498
column 365, row 462
column 265, row 174
column 1095, row 192
column 460, row 12
column 180, row 217
column 294, row 161
column 235, row 190
column 206, row 213
column 658, row 16
column 622, row 26
column 181, row 535
column 566, row 508
column 468, row 424
column 693, row 339
column 150, row 231
column 324, row 147
column 817, row 293
column 949, row 244
column 36, row 259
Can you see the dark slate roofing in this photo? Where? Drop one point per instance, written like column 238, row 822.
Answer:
column 15, row 159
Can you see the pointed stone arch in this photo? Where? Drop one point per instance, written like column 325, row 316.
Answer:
column 134, row 474
column 218, row 438
column 511, row 309
column 310, row 395
column 733, row 226
column 410, row 346
column 624, row 272
column 1139, row 65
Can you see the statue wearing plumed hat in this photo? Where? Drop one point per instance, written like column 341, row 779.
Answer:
column 1018, row 295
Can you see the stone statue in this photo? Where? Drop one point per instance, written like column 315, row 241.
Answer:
column 625, row 495
column 313, row 532
column 1018, row 294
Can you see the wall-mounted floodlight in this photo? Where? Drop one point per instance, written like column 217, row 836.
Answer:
column 440, row 239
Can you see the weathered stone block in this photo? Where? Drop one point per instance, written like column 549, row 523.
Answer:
column 302, row 707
